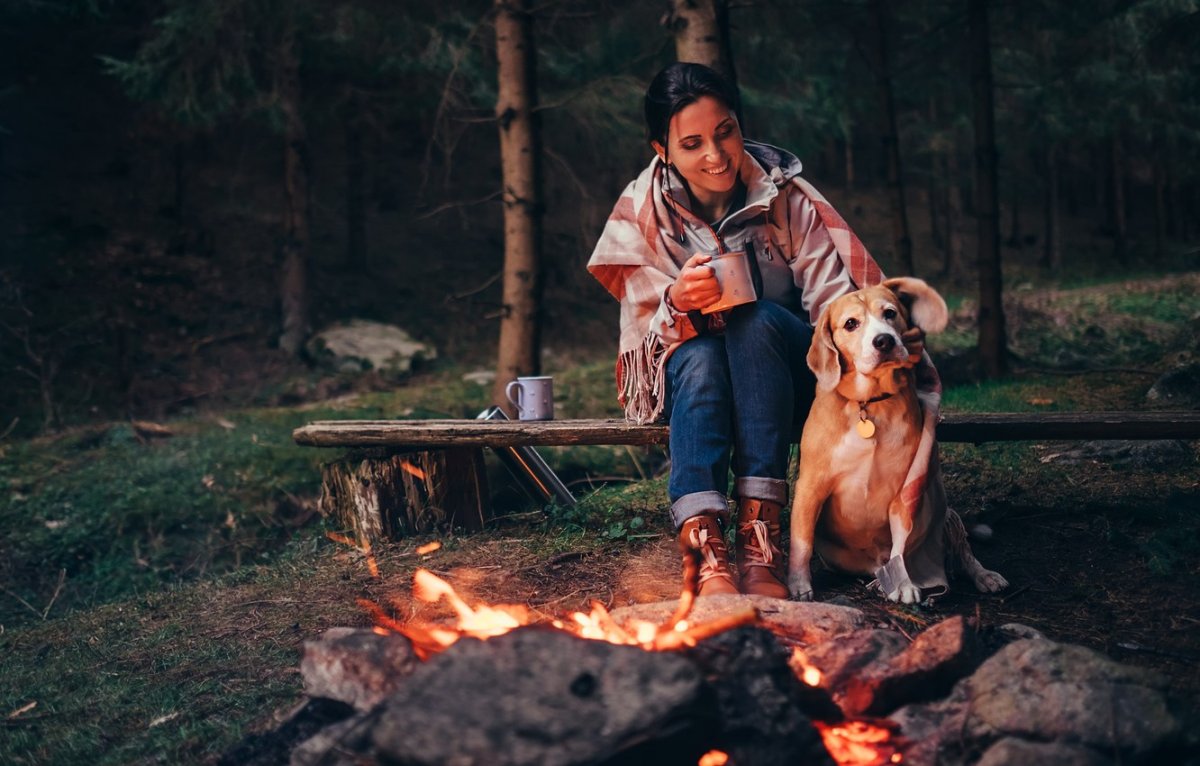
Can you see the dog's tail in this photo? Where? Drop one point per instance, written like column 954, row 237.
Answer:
column 958, row 549
column 962, row 560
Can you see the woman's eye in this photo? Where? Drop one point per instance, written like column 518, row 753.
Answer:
column 851, row 325
column 889, row 313
column 690, row 146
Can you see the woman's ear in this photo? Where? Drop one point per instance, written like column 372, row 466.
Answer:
column 823, row 357
column 660, row 150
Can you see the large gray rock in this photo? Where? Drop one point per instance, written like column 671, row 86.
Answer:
column 1178, row 388
column 925, row 670
column 357, row 666
column 536, row 697
column 357, row 345
column 1017, row 752
column 1043, row 691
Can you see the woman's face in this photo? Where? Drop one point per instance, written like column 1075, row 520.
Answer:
column 705, row 146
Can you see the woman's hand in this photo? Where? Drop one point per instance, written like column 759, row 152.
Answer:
column 914, row 341
column 696, row 286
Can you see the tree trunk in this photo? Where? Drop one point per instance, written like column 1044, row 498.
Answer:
column 891, row 139
column 992, row 342
column 1160, row 202
column 294, row 276
column 953, row 206
column 356, row 187
column 380, row 495
column 1051, row 251
column 848, row 157
column 1120, row 225
column 520, row 160
column 1014, row 234
column 936, row 214
column 701, row 31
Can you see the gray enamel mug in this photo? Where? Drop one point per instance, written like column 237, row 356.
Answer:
column 732, row 271
column 533, row 397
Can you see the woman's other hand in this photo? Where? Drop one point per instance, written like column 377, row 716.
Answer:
column 914, row 341
column 696, row 286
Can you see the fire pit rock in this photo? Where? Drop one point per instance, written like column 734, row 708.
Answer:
column 535, row 696
column 1041, row 691
column 357, row 666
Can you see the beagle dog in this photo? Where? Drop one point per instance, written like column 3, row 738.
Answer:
column 858, row 447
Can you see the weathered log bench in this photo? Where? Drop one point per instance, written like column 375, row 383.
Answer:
column 403, row 477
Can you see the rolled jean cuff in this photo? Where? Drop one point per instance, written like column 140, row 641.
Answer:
column 696, row 503
column 760, row 488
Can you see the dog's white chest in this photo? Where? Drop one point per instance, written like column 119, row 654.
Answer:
column 850, row 463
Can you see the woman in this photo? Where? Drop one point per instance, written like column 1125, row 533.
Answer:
column 735, row 380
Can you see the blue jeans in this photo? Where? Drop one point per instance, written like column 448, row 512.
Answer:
column 747, row 390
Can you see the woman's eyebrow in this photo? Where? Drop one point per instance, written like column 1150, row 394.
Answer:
column 720, row 125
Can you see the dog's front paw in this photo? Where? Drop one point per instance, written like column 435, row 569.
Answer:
column 907, row 593
column 800, row 588
column 988, row 581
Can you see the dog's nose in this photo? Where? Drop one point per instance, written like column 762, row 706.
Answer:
column 884, row 342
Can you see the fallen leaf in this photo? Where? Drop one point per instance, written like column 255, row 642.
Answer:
column 228, row 425
column 1040, row 401
column 149, row 429
column 22, row 710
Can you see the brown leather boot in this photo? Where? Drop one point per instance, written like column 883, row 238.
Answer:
column 703, row 533
column 760, row 562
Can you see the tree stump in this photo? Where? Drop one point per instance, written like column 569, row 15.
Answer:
column 389, row 495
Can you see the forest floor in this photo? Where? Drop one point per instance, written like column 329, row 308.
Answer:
column 158, row 587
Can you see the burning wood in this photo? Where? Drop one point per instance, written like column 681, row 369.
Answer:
column 859, row 743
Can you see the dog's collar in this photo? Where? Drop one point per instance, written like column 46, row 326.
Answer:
column 866, row 428
column 863, row 405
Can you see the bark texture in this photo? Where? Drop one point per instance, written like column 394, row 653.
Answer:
column 379, row 496
column 293, row 282
column 701, row 31
column 901, row 237
column 993, row 346
column 520, row 161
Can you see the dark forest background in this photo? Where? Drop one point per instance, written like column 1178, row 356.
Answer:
column 154, row 230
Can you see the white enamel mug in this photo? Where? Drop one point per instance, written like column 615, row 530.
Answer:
column 533, row 397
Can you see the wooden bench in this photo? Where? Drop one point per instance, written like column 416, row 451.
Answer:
column 404, row 477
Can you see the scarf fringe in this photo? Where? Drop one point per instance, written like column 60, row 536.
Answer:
column 637, row 367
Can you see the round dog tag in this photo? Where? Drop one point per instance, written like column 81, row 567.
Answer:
column 865, row 428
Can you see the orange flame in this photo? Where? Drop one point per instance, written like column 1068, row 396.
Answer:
column 713, row 758
column 860, row 743
column 428, row 548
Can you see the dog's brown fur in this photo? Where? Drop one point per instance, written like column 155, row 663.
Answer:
column 846, row 503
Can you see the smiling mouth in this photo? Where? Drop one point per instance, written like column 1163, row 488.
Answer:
column 719, row 171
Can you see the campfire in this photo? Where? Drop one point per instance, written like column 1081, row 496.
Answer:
column 718, row 681
column 850, row 742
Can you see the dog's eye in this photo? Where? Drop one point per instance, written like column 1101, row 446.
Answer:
column 889, row 313
column 851, row 325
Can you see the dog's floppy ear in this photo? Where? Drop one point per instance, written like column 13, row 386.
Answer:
column 926, row 309
column 823, row 355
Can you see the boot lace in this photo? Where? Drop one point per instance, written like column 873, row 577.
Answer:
column 711, row 567
column 759, row 550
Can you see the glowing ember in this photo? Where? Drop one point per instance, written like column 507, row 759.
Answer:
column 428, row 548
column 859, row 743
column 805, row 672
column 412, row 469
column 713, row 758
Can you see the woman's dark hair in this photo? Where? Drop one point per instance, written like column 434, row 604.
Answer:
column 678, row 85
